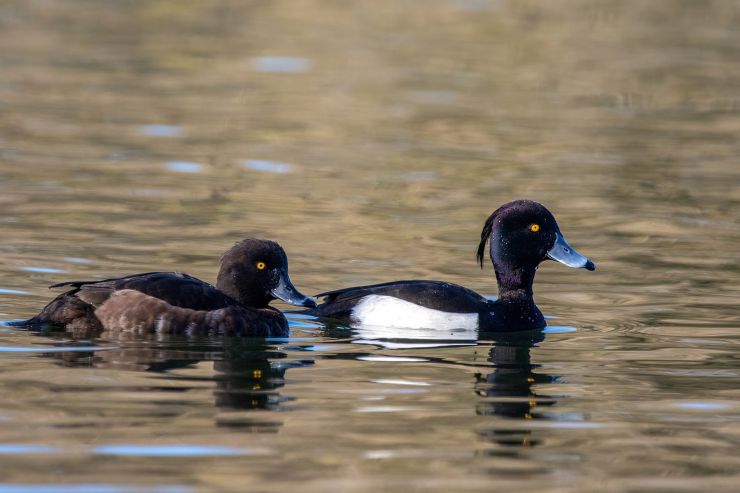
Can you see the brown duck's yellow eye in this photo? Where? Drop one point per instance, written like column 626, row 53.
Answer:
column 261, row 266
column 534, row 228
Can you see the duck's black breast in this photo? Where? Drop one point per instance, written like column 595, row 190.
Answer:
column 436, row 295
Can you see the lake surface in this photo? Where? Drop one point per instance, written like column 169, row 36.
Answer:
column 372, row 139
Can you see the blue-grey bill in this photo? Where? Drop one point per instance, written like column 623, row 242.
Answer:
column 566, row 254
column 289, row 294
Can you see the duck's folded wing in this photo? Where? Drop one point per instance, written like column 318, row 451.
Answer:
column 436, row 295
column 176, row 289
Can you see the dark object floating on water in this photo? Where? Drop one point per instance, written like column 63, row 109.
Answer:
column 253, row 273
column 522, row 234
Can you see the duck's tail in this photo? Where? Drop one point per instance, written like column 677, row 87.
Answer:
column 62, row 310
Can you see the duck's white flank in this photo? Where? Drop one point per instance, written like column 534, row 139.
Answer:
column 393, row 312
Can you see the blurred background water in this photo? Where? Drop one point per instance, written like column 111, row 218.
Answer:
column 372, row 139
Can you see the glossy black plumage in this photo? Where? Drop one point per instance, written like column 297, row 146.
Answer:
column 521, row 234
column 436, row 295
column 171, row 302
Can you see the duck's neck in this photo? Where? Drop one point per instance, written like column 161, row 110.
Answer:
column 514, row 282
column 229, row 284
column 515, row 308
column 229, row 289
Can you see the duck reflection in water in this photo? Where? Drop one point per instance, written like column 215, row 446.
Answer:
column 507, row 391
column 248, row 373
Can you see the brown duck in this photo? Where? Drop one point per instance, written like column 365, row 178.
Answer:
column 252, row 274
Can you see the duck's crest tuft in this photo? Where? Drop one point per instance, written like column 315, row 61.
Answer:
column 484, row 236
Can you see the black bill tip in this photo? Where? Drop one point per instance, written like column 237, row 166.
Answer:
column 309, row 303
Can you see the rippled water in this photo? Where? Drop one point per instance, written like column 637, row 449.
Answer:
column 372, row 139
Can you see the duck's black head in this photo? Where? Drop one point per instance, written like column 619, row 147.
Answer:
column 522, row 234
column 255, row 272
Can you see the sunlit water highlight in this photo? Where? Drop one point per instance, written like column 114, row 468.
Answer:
column 282, row 64
column 268, row 166
column 184, row 167
column 161, row 130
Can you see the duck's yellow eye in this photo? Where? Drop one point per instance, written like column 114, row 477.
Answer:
column 534, row 228
column 261, row 266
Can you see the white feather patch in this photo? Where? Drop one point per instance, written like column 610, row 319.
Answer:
column 388, row 311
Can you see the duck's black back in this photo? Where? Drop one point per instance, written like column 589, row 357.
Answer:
column 77, row 306
column 437, row 295
column 175, row 288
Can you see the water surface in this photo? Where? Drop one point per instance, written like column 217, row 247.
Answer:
column 372, row 140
